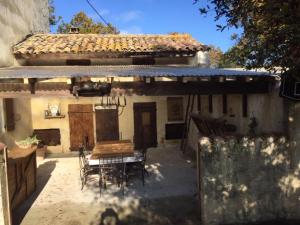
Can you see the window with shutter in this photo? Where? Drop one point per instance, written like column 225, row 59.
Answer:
column 175, row 108
column 9, row 114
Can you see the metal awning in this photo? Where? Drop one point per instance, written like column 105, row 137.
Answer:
column 121, row 71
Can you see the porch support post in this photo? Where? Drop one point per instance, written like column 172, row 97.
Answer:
column 32, row 82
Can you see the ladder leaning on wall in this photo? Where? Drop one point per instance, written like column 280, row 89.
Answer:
column 187, row 122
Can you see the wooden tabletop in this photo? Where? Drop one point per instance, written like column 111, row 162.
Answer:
column 113, row 149
column 18, row 153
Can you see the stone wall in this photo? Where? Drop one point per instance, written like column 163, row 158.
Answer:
column 19, row 18
column 247, row 180
column 294, row 130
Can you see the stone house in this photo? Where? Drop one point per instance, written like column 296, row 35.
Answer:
column 156, row 82
column 150, row 89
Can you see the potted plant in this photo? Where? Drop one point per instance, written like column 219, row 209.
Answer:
column 33, row 141
column 28, row 142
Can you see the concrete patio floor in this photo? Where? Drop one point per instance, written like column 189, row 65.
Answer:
column 168, row 196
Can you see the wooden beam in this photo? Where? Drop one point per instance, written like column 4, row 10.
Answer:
column 245, row 105
column 104, row 55
column 202, row 88
column 32, row 83
column 224, row 100
column 73, row 81
column 210, row 103
column 199, row 103
column 159, row 88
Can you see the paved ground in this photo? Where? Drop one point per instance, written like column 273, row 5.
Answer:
column 167, row 198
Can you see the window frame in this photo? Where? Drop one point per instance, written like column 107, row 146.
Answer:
column 180, row 116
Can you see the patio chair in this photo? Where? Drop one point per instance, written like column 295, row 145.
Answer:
column 112, row 170
column 138, row 168
column 85, row 168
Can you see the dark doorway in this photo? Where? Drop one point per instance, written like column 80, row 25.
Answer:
column 145, row 133
column 81, row 126
column 107, row 125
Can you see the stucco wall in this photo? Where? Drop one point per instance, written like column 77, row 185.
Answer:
column 23, row 122
column 261, row 105
column 267, row 108
column 19, row 18
column 126, row 120
column 247, row 180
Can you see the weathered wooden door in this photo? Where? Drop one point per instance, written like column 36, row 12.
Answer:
column 81, row 125
column 145, row 133
column 107, row 125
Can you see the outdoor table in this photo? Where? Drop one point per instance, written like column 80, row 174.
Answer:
column 113, row 149
column 137, row 157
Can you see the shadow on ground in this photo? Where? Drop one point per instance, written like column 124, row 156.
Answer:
column 44, row 172
column 272, row 222
column 179, row 210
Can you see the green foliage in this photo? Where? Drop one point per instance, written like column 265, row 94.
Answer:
column 218, row 59
column 86, row 25
column 271, row 31
column 53, row 20
column 215, row 55
column 228, row 59
column 29, row 141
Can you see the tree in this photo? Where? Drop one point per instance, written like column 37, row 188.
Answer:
column 271, row 31
column 53, row 20
column 215, row 55
column 218, row 59
column 228, row 59
column 85, row 25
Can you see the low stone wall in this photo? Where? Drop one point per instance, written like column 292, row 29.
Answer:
column 244, row 180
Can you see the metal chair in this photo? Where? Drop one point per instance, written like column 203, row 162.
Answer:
column 138, row 168
column 85, row 168
column 112, row 170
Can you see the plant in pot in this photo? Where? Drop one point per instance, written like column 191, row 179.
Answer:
column 28, row 142
column 33, row 141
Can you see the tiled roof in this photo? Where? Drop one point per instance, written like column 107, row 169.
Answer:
column 39, row 44
column 122, row 71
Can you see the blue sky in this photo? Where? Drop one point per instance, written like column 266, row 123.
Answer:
column 151, row 17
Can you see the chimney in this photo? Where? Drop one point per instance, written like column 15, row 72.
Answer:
column 74, row 30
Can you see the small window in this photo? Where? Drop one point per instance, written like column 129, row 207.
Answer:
column 143, row 61
column 175, row 108
column 78, row 62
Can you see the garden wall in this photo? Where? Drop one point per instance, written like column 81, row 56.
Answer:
column 247, row 180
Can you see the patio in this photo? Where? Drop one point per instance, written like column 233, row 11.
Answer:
column 170, row 188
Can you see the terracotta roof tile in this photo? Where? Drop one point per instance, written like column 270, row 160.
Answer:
column 39, row 44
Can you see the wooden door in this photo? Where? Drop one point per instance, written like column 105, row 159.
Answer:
column 107, row 125
column 9, row 114
column 81, row 125
column 145, row 133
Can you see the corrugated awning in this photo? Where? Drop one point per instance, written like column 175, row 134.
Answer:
column 121, row 71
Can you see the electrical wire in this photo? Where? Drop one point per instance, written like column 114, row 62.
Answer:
column 96, row 11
